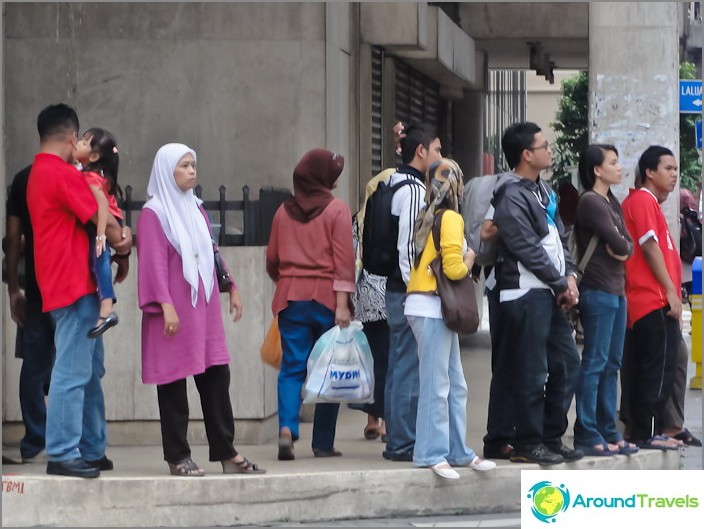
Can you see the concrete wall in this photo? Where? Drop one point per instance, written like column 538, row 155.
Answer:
column 253, row 385
column 152, row 73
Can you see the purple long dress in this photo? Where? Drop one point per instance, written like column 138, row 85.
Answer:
column 200, row 341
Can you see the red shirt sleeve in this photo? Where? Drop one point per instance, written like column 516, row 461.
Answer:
column 343, row 250
column 643, row 215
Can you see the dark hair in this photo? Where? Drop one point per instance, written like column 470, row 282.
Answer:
column 416, row 134
column 593, row 156
column 104, row 145
column 516, row 139
column 650, row 159
column 57, row 120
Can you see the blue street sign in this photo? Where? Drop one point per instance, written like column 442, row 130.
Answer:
column 698, row 132
column 690, row 96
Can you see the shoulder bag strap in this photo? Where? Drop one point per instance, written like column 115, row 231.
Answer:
column 437, row 223
column 588, row 254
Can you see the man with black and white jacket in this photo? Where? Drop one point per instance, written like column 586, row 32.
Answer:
column 538, row 357
column 420, row 147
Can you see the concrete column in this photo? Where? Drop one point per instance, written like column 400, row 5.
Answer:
column 338, row 83
column 633, row 97
column 468, row 121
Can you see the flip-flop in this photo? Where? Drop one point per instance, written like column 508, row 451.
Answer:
column 687, row 438
column 371, row 433
column 591, row 451
column 649, row 444
column 627, row 448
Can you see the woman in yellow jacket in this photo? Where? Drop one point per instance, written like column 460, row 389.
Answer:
column 441, row 423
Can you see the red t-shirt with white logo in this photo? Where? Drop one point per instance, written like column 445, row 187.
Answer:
column 644, row 220
column 60, row 203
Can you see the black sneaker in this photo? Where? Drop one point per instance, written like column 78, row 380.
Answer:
column 538, row 454
column 569, row 454
column 102, row 464
column 498, row 452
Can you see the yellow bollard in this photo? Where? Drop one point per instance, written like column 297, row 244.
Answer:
column 696, row 300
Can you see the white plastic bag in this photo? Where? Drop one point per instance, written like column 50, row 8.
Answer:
column 340, row 367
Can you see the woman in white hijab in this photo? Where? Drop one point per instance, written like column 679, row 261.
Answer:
column 182, row 328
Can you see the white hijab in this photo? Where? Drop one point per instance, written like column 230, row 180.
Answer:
column 181, row 219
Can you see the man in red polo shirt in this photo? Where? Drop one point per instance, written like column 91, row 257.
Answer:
column 653, row 276
column 60, row 203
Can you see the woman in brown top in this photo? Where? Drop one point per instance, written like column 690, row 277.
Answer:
column 602, row 303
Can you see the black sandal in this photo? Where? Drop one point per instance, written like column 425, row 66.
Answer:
column 687, row 438
column 241, row 467
column 186, row 468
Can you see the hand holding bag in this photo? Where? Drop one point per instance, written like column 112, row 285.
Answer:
column 340, row 367
column 225, row 281
column 457, row 299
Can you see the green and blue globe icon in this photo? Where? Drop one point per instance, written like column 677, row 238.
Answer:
column 548, row 500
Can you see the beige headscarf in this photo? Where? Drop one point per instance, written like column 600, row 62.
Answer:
column 443, row 190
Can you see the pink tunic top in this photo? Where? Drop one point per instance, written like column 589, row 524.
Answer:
column 200, row 341
column 311, row 260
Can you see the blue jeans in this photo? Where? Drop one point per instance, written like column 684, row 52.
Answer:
column 300, row 325
column 441, row 427
column 603, row 317
column 35, row 345
column 538, row 360
column 75, row 423
column 402, row 384
column 103, row 273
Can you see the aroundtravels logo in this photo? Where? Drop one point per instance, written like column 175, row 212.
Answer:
column 548, row 500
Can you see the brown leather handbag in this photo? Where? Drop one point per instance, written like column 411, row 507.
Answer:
column 457, row 298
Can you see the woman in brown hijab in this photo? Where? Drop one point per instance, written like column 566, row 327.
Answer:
column 311, row 258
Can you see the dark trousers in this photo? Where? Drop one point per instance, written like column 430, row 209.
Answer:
column 35, row 345
column 499, row 422
column 377, row 333
column 653, row 342
column 538, row 360
column 673, row 414
column 214, row 389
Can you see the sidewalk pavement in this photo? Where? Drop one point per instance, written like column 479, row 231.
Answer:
column 361, row 484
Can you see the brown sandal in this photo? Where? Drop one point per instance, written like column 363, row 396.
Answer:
column 241, row 467
column 186, row 468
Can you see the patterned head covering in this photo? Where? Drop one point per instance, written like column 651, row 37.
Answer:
column 443, row 190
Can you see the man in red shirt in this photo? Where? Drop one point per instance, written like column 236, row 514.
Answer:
column 60, row 203
column 653, row 276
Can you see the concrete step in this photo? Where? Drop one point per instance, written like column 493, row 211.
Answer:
column 140, row 492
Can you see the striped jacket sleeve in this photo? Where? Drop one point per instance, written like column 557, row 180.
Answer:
column 407, row 201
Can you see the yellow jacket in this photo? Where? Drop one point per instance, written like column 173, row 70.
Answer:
column 452, row 245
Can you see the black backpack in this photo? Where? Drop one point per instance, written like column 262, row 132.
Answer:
column 380, row 235
column 690, row 235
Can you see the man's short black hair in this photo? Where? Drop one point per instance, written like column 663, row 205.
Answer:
column 516, row 139
column 416, row 134
column 56, row 120
column 650, row 159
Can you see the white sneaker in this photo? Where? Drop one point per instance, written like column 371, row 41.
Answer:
column 482, row 465
column 445, row 471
